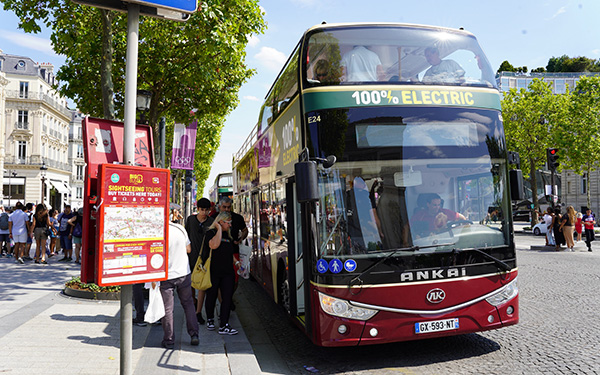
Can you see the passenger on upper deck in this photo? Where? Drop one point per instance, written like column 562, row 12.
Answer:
column 361, row 65
column 322, row 70
column 442, row 71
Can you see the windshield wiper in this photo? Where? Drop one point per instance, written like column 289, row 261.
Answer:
column 394, row 251
column 502, row 265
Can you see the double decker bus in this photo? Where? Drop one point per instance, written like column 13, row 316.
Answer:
column 223, row 187
column 375, row 187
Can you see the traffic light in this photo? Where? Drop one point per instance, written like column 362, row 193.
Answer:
column 552, row 158
column 188, row 181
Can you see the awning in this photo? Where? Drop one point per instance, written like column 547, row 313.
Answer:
column 60, row 186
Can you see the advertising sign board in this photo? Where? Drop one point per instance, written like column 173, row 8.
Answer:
column 104, row 144
column 133, row 222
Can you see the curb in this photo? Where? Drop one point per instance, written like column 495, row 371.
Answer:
column 85, row 294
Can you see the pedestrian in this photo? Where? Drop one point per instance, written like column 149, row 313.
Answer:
column 180, row 279
column 4, row 233
column 567, row 226
column 76, row 223
column 238, row 232
column 196, row 226
column 548, row 216
column 29, row 212
column 589, row 220
column 578, row 225
column 559, row 238
column 17, row 223
column 64, row 232
column 54, row 232
column 176, row 216
column 40, row 224
column 222, row 275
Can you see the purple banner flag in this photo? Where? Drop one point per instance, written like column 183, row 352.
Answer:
column 184, row 145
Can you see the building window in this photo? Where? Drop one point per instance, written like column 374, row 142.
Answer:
column 23, row 120
column 24, row 90
column 80, row 151
column 79, row 193
column 559, row 86
column 79, row 172
column 22, row 151
column 584, row 184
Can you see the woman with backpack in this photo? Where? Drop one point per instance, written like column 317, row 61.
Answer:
column 76, row 223
column 40, row 224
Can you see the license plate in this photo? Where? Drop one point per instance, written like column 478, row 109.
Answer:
column 436, row 326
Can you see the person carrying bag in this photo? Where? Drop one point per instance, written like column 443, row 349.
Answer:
column 201, row 273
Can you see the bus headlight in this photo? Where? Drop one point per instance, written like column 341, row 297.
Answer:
column 507, row 293
column 342, row 308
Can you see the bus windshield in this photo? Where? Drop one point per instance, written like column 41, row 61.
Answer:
column 407, row 177
column 396, row 55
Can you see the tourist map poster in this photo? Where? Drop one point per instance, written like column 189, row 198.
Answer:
column 133, row 224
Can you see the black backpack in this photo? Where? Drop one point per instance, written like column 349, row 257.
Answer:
column 4, row 221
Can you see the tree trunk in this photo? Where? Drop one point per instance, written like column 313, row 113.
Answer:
column 106, row 83
column 587, row 188
column 534, row 197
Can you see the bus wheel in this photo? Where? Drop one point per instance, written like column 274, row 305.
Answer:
column 284, row 292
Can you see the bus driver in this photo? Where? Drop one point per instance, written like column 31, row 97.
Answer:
column 434, row 217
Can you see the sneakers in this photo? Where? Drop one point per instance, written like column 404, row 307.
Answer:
column 20, row 260
column 200, row 318
column 210, row 324
column 195, row 341
column 168, row 345
column 140, row 323
column 227, row 330
column 65, row 259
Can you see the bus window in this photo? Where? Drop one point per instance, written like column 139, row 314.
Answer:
column 394, row 55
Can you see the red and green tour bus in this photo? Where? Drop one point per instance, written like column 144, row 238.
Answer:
column 375, row 187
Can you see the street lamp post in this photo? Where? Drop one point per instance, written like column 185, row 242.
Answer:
column 142, row 103
column 10, row 174
column 43, row 170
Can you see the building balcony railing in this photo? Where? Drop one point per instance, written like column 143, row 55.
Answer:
column 75, row 137
column 16, row 94
column 37, row 161
column 24, row 125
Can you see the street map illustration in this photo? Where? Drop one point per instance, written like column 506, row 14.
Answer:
column 133, row 223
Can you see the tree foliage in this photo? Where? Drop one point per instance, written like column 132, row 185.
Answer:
column 530, row 115
column 578, row 134
column 192, row 67
column 567, row 64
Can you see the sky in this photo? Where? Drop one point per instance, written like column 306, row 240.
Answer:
column 526, row 33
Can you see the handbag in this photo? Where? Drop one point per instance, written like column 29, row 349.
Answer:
column 201, row 272
column 156, row 307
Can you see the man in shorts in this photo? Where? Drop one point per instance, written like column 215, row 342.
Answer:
column 17, row 226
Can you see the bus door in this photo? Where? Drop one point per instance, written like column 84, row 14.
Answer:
column 295, row 259
column 257, row 245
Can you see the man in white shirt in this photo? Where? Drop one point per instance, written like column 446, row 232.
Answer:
column 17, row 226
column 361, row 65
column 179, row 278
column 441, row 71
column 548, row 222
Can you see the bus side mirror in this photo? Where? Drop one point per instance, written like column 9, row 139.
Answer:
column 307, row 189
column 516, row 184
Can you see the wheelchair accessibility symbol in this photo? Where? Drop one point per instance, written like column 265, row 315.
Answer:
column 322, row 266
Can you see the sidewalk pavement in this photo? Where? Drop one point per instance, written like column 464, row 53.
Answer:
column 43, row 331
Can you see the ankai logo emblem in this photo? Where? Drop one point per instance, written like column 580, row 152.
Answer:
column 436, row 295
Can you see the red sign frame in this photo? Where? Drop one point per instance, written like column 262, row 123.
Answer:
column 132, row 230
